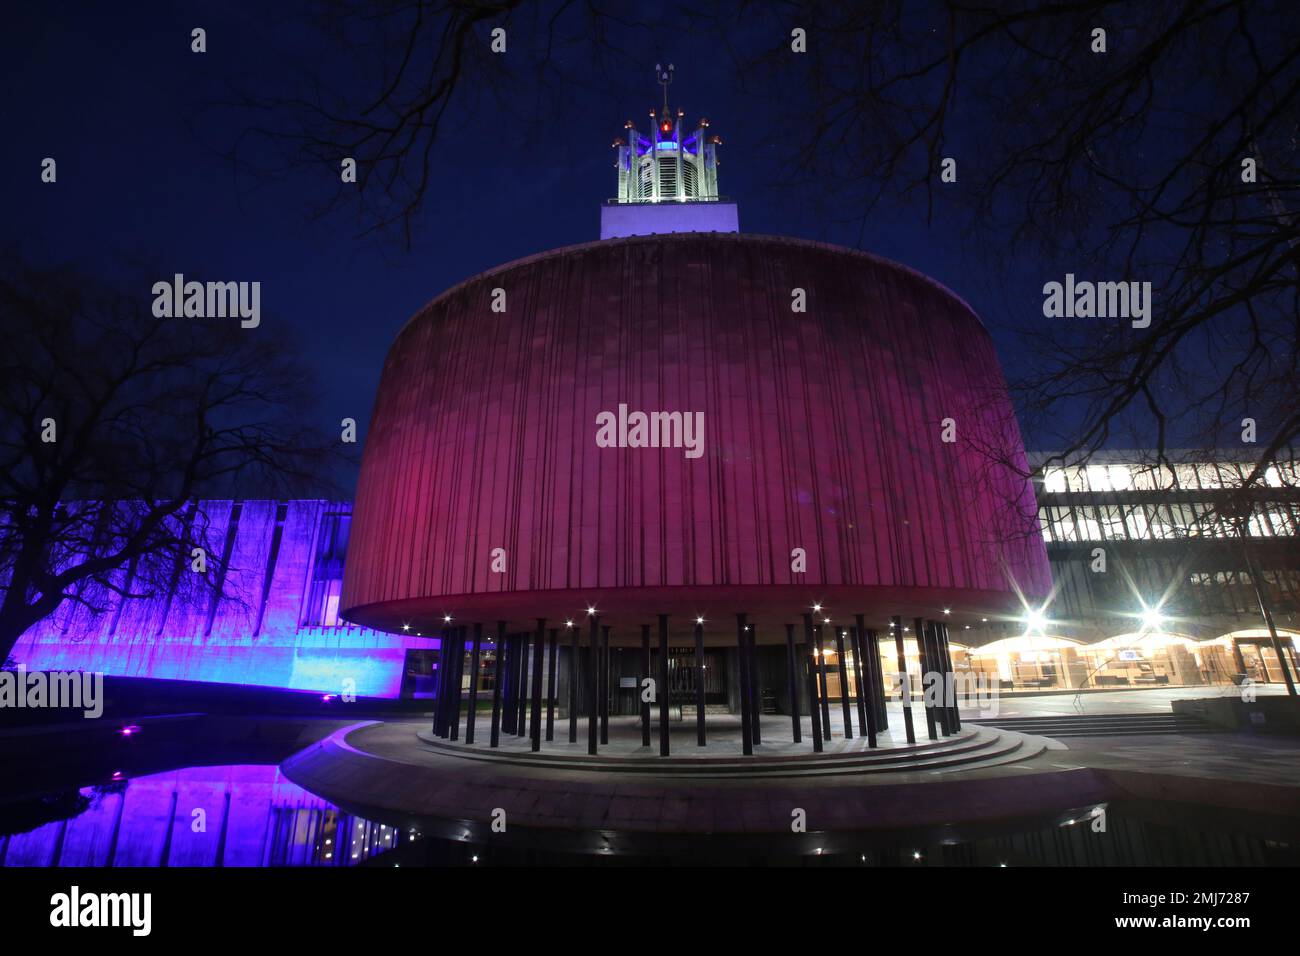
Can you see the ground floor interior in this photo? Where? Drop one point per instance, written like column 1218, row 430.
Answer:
column 1031, row 664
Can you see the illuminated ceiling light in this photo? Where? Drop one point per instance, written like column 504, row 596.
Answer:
column 446, row 619
column 591, row 611
column 826, row 620
column 568, row 624
column 916, row 854
column 1035, row 620
column 1152, row 619
column 817, row 607
column 984, row 620
column 406, row 627
column 699, row 620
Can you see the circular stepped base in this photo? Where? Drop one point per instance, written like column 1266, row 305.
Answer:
column 968, row 748
column 636, row 800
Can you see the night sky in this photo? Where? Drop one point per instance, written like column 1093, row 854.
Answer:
column 136, row 123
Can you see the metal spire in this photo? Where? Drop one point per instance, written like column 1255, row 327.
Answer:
column 665, row 78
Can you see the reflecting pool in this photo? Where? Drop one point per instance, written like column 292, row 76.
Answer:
column 233, row 815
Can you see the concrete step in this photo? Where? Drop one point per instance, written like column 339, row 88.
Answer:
column 970, row 749
column 1102, row 725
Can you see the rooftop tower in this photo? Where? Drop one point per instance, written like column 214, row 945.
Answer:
column 668, row 181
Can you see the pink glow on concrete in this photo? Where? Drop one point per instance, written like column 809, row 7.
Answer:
column 822, row 431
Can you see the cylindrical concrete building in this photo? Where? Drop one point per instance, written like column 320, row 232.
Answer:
column 692, row 424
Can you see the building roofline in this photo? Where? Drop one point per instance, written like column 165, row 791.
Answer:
column 720, row 237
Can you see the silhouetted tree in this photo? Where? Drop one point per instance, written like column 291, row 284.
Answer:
column 114, row 424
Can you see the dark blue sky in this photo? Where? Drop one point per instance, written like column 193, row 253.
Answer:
column 115, row 95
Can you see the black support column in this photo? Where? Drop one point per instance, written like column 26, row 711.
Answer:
column 573, row 683
column 662, row 690
column 440, row 697
column 823, row 687
column 866, row 701
column 604, row 685
column 640, row 690
column 937, row 668
column 846, row 706
column 877, row 668
column 699, row 684
column 742, row 657
column 855, row 645
column 457, row 672
column 475, row 658
column 904, row 685
column 498, row 673
column 506, row 676
column 755, row 687
column 810, row 668
column 792, row 669
column 535, row 718
column 594, row 691
column 925, row 661
column 521, row 728
column 945, row 647
column 551, row 650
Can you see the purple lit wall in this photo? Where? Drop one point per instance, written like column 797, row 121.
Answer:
column 285, row 635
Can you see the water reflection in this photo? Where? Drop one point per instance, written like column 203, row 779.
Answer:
column 237, row 815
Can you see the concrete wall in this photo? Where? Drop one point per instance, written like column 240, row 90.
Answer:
column 251, row 638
